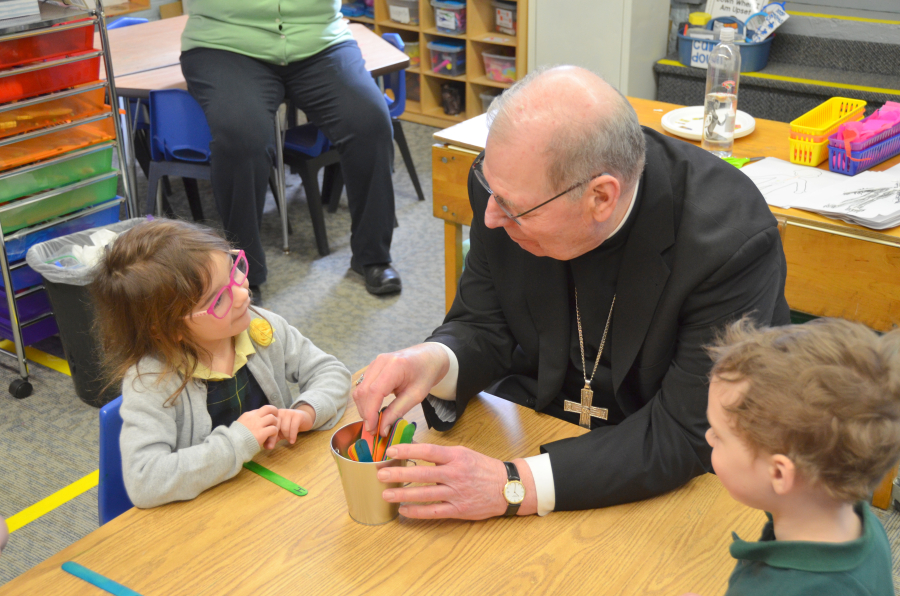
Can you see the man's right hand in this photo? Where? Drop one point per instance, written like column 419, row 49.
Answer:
column 409, row 374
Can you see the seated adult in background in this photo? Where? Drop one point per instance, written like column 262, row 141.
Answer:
column 240, row 60
column 588, row 232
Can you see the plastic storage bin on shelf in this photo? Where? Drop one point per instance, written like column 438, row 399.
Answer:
column 16, row 215
column 505, row 16
column 56, row 143
column 487, row 97
column 810, row 132
column 57, row 172
column 15, row 52
column 38, row 82
column 754, row 55
column 53, row 112
column 450, row 16
column 411, row 49
column 500, row 68
column 404, row 11
column 448, row 57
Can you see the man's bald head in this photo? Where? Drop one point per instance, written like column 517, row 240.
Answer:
column 587, row 126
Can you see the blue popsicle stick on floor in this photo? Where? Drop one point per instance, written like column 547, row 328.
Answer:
column 92, row 577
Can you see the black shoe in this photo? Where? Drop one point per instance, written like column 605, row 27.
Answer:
column 256, row 296
column 381, row 279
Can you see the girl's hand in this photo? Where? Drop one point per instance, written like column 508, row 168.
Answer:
column 291, row 422
column 263, row 423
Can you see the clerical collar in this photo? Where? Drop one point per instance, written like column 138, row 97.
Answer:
column 627, row 213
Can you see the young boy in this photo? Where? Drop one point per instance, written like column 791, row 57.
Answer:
column 805, row 420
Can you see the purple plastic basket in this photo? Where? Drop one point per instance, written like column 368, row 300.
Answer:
column 875, row 154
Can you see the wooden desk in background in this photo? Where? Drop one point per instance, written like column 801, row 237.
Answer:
column 147, row 57
column 247, row 536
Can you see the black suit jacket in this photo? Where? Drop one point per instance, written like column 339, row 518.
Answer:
column 703, row 251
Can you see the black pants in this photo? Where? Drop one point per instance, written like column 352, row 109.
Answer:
column 240, row 95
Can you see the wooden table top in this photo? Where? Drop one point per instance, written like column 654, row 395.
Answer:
column 770, row 139
column 142, row 49
column 247, row 536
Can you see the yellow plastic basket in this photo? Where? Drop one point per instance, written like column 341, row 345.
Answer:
column 810, row 132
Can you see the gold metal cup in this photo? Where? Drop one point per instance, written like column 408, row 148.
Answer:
column 362, row 488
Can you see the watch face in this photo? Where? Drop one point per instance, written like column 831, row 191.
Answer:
column 514, row 492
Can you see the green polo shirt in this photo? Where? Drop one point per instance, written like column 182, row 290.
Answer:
column 274, row 31
column 770, row 567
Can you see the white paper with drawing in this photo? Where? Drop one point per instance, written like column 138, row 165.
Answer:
column 870, row 199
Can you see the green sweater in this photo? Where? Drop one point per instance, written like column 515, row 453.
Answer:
column 861, row 567
column 274, row 31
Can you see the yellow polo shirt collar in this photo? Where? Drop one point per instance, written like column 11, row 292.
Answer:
column 243, row 347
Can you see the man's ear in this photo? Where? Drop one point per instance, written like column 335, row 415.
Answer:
column 605, row 192
column 783, row 474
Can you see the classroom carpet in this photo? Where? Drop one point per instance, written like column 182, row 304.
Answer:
column 50, row 440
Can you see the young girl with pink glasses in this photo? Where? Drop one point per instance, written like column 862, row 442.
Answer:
column 204, row 374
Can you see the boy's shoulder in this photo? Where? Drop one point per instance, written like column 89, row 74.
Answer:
column 860, row 567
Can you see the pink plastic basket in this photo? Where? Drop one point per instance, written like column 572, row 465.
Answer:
column 860, row 161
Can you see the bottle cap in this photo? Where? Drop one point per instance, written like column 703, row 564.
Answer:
column 726, row 34
column 699, row 19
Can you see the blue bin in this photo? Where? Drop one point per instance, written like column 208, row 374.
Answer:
column 754, row 56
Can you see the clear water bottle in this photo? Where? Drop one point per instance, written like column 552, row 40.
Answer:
column 720, row 107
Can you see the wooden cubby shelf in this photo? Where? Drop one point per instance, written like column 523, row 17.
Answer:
column 480, row 37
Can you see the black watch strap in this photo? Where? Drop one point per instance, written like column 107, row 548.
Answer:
column 512, row 474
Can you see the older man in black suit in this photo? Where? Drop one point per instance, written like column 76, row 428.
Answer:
column 604, row 258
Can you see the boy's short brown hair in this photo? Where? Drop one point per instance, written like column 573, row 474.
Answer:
column 826, row 394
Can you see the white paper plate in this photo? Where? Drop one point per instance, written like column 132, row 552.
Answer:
column 688, row 123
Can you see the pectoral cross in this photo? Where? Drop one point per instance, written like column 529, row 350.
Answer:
column 585, row 409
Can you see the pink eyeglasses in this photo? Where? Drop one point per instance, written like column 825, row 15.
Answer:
column 221, row 304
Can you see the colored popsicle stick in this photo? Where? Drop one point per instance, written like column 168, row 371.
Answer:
column 362, row 451
column 396, row 430
column 351, row 452
column 369, row 438
column 408, row 433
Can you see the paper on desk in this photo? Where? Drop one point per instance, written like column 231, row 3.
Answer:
column 870, row 199
column 471, row 134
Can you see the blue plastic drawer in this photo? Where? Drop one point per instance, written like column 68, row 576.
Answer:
column 22, row 277
column 18, row 244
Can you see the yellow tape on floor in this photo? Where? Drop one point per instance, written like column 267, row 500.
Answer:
column 44, row 506
column 794, row 13
column 760, row 75
column 35, row 355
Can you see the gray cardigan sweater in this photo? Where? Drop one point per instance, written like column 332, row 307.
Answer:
column 172, row 453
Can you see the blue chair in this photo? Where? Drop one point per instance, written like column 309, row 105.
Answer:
column 179, row 146
column 112, row 499
column 396, row 82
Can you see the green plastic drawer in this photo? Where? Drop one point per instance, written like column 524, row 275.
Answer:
column 61, row 201
column 60, row 172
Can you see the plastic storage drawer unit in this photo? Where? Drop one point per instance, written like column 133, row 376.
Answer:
column 16, row 215
column 15, row 52
column 450, row 16
column 500, row 68
column 57, row 142
column 505, row 16
column 15, row 86
column 51, row 113
column 56, row 172
column 448, row 58
column 404, row 11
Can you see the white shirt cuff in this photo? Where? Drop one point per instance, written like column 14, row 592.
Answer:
column 542, row 472
column 446, row 387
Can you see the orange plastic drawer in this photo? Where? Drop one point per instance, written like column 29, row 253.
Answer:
column 37, row 82
column 54, row 143
column 48, row 45
column 49, row 113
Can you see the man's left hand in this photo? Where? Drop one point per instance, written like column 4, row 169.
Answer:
column 467, row 484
